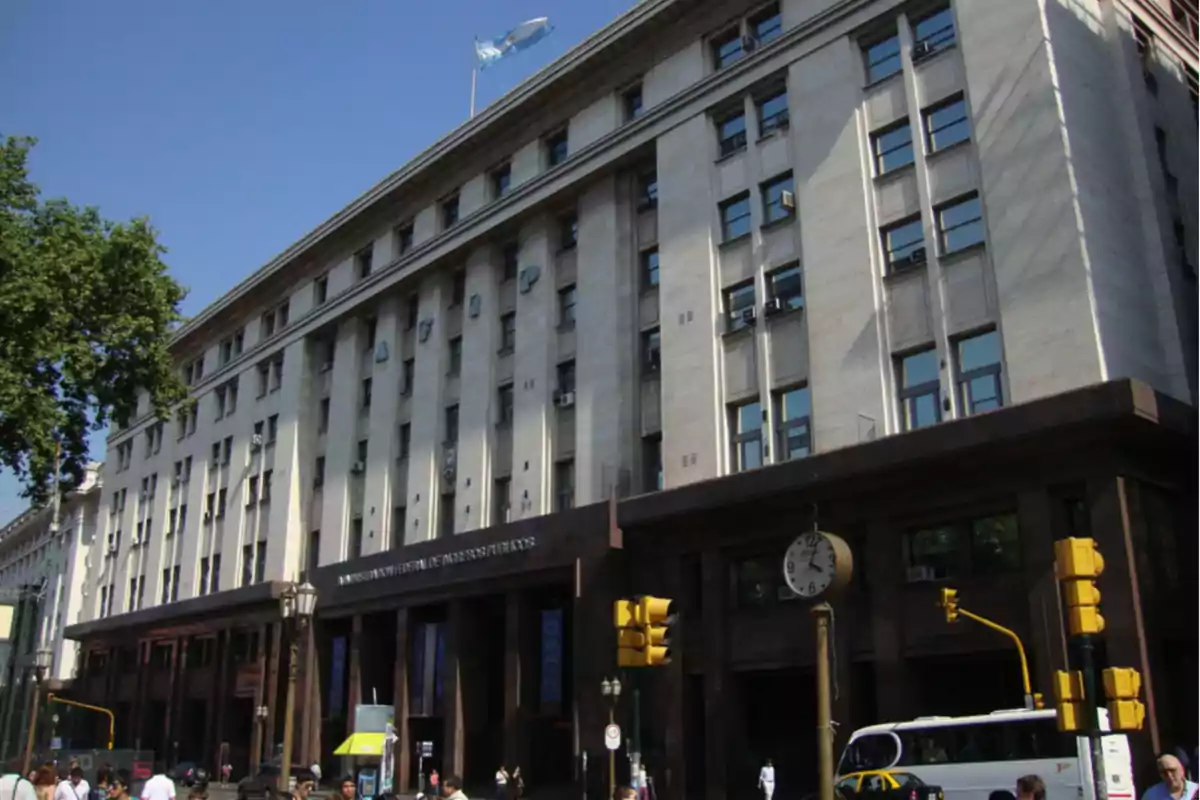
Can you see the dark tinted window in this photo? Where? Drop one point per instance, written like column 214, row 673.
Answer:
column 873, row 751
column 993, row 741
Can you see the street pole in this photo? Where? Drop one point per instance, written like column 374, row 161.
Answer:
column 1095, row 740
column 289, row 708
column 33, row 715
column 612, row 757
column 822, row 613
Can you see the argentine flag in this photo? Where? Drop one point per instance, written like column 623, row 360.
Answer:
column 519, row 38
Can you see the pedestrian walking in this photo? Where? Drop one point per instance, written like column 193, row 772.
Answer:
column 433, row 783
column 501, row 783
column 118, row 785
column 766, row 780
column 452, row 788
column 1174, row 784
column 349, row 789
column 518, row 783
column 13, row 785
column 1031, row 787
column 159, row 787
column 44, row 783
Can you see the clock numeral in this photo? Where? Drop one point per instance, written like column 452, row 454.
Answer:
column 791, row 566
column 812, row 588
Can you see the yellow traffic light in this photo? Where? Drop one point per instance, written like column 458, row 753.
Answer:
column 630, row 639
column 625, row 613
column 949, row 603
column 1068, row 695
column 1123, row 685
column 656, row 615
column 1077, row 563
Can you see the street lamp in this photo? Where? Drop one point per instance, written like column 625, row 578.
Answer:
column 42, row 658
column 297, row 602
column 612, row 690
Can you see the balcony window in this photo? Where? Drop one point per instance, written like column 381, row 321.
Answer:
column 793, row 415
column 363, row 262
column 746, row 436
column 504, row 405
column 731, row 134
column 568, row 232
column 904, row 245
column 920, row 389
column 779, row 199
column 787, row 286
column 892, row 147
column 632, row 102
column 882, row 58
column 647, row 191
column 978, row 367
column 455, row 357
column 727, row 47
column 566, row 308
column 510, row 256
column 449, row 209
column 650, row 269
column 960, row 224
column 501, row 180
column 772, row 112
column 564, row 485
column 451, row 425
column 652, row 466
column 767, row 24
column 501, row 500
column 556, row 148
column 404, row 238
column 651, row 350
column 404, row 441
column 946, row 124
column 508, row 332
column 933, row 33
column 737, row 300
column 735, row 217
column 566, row 376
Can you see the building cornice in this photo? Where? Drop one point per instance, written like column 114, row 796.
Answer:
column 444, row 147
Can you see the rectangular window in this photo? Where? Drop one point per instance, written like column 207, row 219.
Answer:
column 735, row 217
column 356, row 538
column 786, row 286
column 260, row 562
column 449, row 208
column 222, row 495
column 501, row 179
column 413, row 312
column 793, row 423
column 739, row 306
column 767, row 24
column 458, row 288
column 251, row 490
column 320, row 290
column 501, row 500
column 746, row 422
column 988, row 545
column 313, row 557
column 370, row 328
column 446, row 515
column 652, row 467
column 727, row 47
column 565, row 374
column 363, row 261
column 882, row 58
column 779, row 199
column 508, row 332
column 650, row 268
column 399, row 524
column 946, row 124
column 892, row 147
column 556, row 148
column 319, row 472
column 647, row 196
column 247, row 565
column 933, row 33
column 566, row 308
column 407, row 373
column 904, row 245
column 564, row 485
column 455, row 367
column 404, row 443
column 323, row 415
column 366, row 395
column 504, row 405
column 772, row 112
column 651, row 350
column 166, row 585
column 960, row 224
column 403, row 238
column 731, row 134
column 568, row 231
column 920, row 389
column 363, row 448
column 978, row 367
column 452, row 424
column 631, row 101
column 272, row 428
column 510, row 258
column 204, row 575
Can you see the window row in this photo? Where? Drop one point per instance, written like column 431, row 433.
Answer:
column 771, row 110
column 778, row 199
column 978, row 371
column 932, row 33
column 946, row 123
column 748, row 426
column 959, row 227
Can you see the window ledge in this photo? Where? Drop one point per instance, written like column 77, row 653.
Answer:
column 504, row 351
column 731, row 155
column 566, row 327
column 961, row 254
column 878, row 82
column 783, row 314
column 729, row 244
column 950, row 148
column 745, row 330
column 896, row 276
column 779, row 130
column 782, row 222
column 895, row 174
column 923, row 60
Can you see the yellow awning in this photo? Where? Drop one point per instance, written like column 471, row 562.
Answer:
column 361, row 744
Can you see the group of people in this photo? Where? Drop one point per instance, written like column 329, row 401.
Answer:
column 509, row 786
column 65, row 782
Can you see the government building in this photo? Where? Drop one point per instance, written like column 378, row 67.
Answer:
column 921, row 274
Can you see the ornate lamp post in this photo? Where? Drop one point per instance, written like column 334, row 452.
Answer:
column 612, row 690
column 296, row 603
column 41, row 663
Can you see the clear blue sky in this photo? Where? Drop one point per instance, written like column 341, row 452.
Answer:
column 238, row 126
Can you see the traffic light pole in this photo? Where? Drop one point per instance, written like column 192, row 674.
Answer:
column 1094, row 734
column 822, row 613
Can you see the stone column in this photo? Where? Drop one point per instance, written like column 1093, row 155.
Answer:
column 143, row 687
column 214, row 724
column 260, row 666
column 893, row 686
column 714, row 582
column 453, row 743
column 271, row 692
column 354, row 671
column 514, row 732
column 404, row 746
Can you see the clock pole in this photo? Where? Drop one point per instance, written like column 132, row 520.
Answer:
column 821, row 614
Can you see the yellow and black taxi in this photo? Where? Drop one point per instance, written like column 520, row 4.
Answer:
column 885, row 784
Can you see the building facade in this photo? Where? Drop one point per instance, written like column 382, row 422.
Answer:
column 42, row 569
column 771, row 233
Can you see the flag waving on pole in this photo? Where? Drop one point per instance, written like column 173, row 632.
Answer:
column 525, row 35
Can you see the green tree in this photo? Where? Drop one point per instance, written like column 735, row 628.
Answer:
column 86, row 314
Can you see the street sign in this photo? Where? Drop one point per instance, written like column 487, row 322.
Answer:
column 612, row 737
column 426, row 749
column 56, row 743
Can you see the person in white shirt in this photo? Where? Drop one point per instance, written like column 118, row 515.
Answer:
column 766, row 780
column 64, row 790
column 159, row 787
column 12, row 785
column 78, row 784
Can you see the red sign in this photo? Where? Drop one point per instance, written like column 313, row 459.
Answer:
column 141, row 770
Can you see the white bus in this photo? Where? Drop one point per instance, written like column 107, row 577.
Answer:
column 971, row 757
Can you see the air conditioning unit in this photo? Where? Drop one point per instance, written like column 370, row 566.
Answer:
column 564, row 399
column 787, row 200
column 773, row 306
column 749, row 43
column 747, row 315
column 917, row 256
column 256, row 441
column 358, row 468
column 920, row 50
column 921, row 574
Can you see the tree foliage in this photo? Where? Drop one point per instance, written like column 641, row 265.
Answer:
column 86, row 314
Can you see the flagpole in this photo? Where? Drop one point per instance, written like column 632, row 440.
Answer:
column 474, row 74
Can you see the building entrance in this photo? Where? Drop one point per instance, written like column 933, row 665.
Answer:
column 779, row 718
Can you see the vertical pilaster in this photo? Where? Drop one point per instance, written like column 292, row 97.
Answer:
column 271, row 692
column 354, row 670
column 452, row 695
column 174, row 689
column 514, row 733
column 892, row 680
column 260, row 667
column 715, row 588
column 143, row 687
column 403, row 756
column 670, row 685
column 214, row 724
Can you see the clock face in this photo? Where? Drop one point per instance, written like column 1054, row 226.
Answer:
column 810, row 565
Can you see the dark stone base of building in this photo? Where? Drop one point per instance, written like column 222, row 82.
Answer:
column 493, row 645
